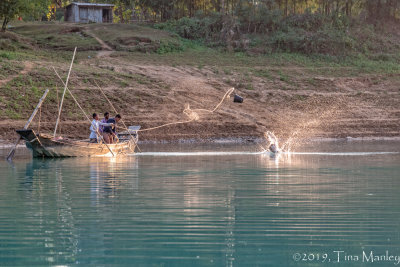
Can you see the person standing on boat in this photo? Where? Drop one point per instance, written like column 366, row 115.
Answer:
column 109, row 132
column 104, row 120
column 94, row 128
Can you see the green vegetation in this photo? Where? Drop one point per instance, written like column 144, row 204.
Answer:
column 261, row 65
column 130, row 37
column 57, row 36
column 340, row 28
column 263, row 73
column 284, row 77
column 8, row 69
column 9, row 9
column 308, row 33
column 7, row 55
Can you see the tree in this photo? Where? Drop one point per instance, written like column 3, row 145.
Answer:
column 9, row 9
column 123, row 10
column 33, row 9
column 39, row 9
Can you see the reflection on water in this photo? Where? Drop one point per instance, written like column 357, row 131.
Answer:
column 209, row 208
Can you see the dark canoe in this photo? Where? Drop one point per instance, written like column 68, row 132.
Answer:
column 43, row 145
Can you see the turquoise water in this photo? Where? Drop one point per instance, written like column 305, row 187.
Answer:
column 204, row 206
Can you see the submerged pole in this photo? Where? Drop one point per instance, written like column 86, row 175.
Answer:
column 65, row 90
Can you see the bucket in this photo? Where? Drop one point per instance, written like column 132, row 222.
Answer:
column 238, row 99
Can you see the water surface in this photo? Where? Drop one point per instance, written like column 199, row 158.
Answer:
column 203, row 206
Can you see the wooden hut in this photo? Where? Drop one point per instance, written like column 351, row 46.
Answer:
column 89, row 12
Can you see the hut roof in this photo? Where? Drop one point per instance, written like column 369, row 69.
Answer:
column 91, row 4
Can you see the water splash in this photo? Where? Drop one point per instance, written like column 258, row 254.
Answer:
column 297, row 125
column 273, row 144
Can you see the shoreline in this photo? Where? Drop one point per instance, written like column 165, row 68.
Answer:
column 238, row 140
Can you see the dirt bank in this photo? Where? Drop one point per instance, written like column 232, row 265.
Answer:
column 150, row 90
column 364, row 106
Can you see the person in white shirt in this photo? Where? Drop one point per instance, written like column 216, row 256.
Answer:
column 95, row 127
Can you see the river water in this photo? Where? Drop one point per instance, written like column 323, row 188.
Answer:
column 215, row 205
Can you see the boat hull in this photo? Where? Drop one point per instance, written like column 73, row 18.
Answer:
column 45, row 146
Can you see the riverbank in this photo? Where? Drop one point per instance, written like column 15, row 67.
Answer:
column 231, row 141
column 292, row 95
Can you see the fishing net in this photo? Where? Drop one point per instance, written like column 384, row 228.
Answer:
column 192, row 114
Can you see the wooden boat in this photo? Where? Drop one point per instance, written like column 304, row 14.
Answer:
column 43, row 145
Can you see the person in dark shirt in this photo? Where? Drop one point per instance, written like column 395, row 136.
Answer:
column 109, row 132
column 104, row 120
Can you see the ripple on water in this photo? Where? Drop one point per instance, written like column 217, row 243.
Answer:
column 197, row 208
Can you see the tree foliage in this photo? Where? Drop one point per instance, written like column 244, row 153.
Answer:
column 9, row 9
column 254, row 16
column 163, row 10
column 31, row 9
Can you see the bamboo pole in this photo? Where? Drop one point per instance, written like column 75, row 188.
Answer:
column 76, row 101
column 12, row 151
column 65, row 89
column 126, row 128
column 58, row 100
column 40, row 117
column 58, row 104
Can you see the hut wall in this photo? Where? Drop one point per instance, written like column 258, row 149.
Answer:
column 75, row 12
column 72, row 13
column 95, row 15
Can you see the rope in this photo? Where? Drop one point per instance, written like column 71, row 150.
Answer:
column 192, row 113
column 227, row 94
